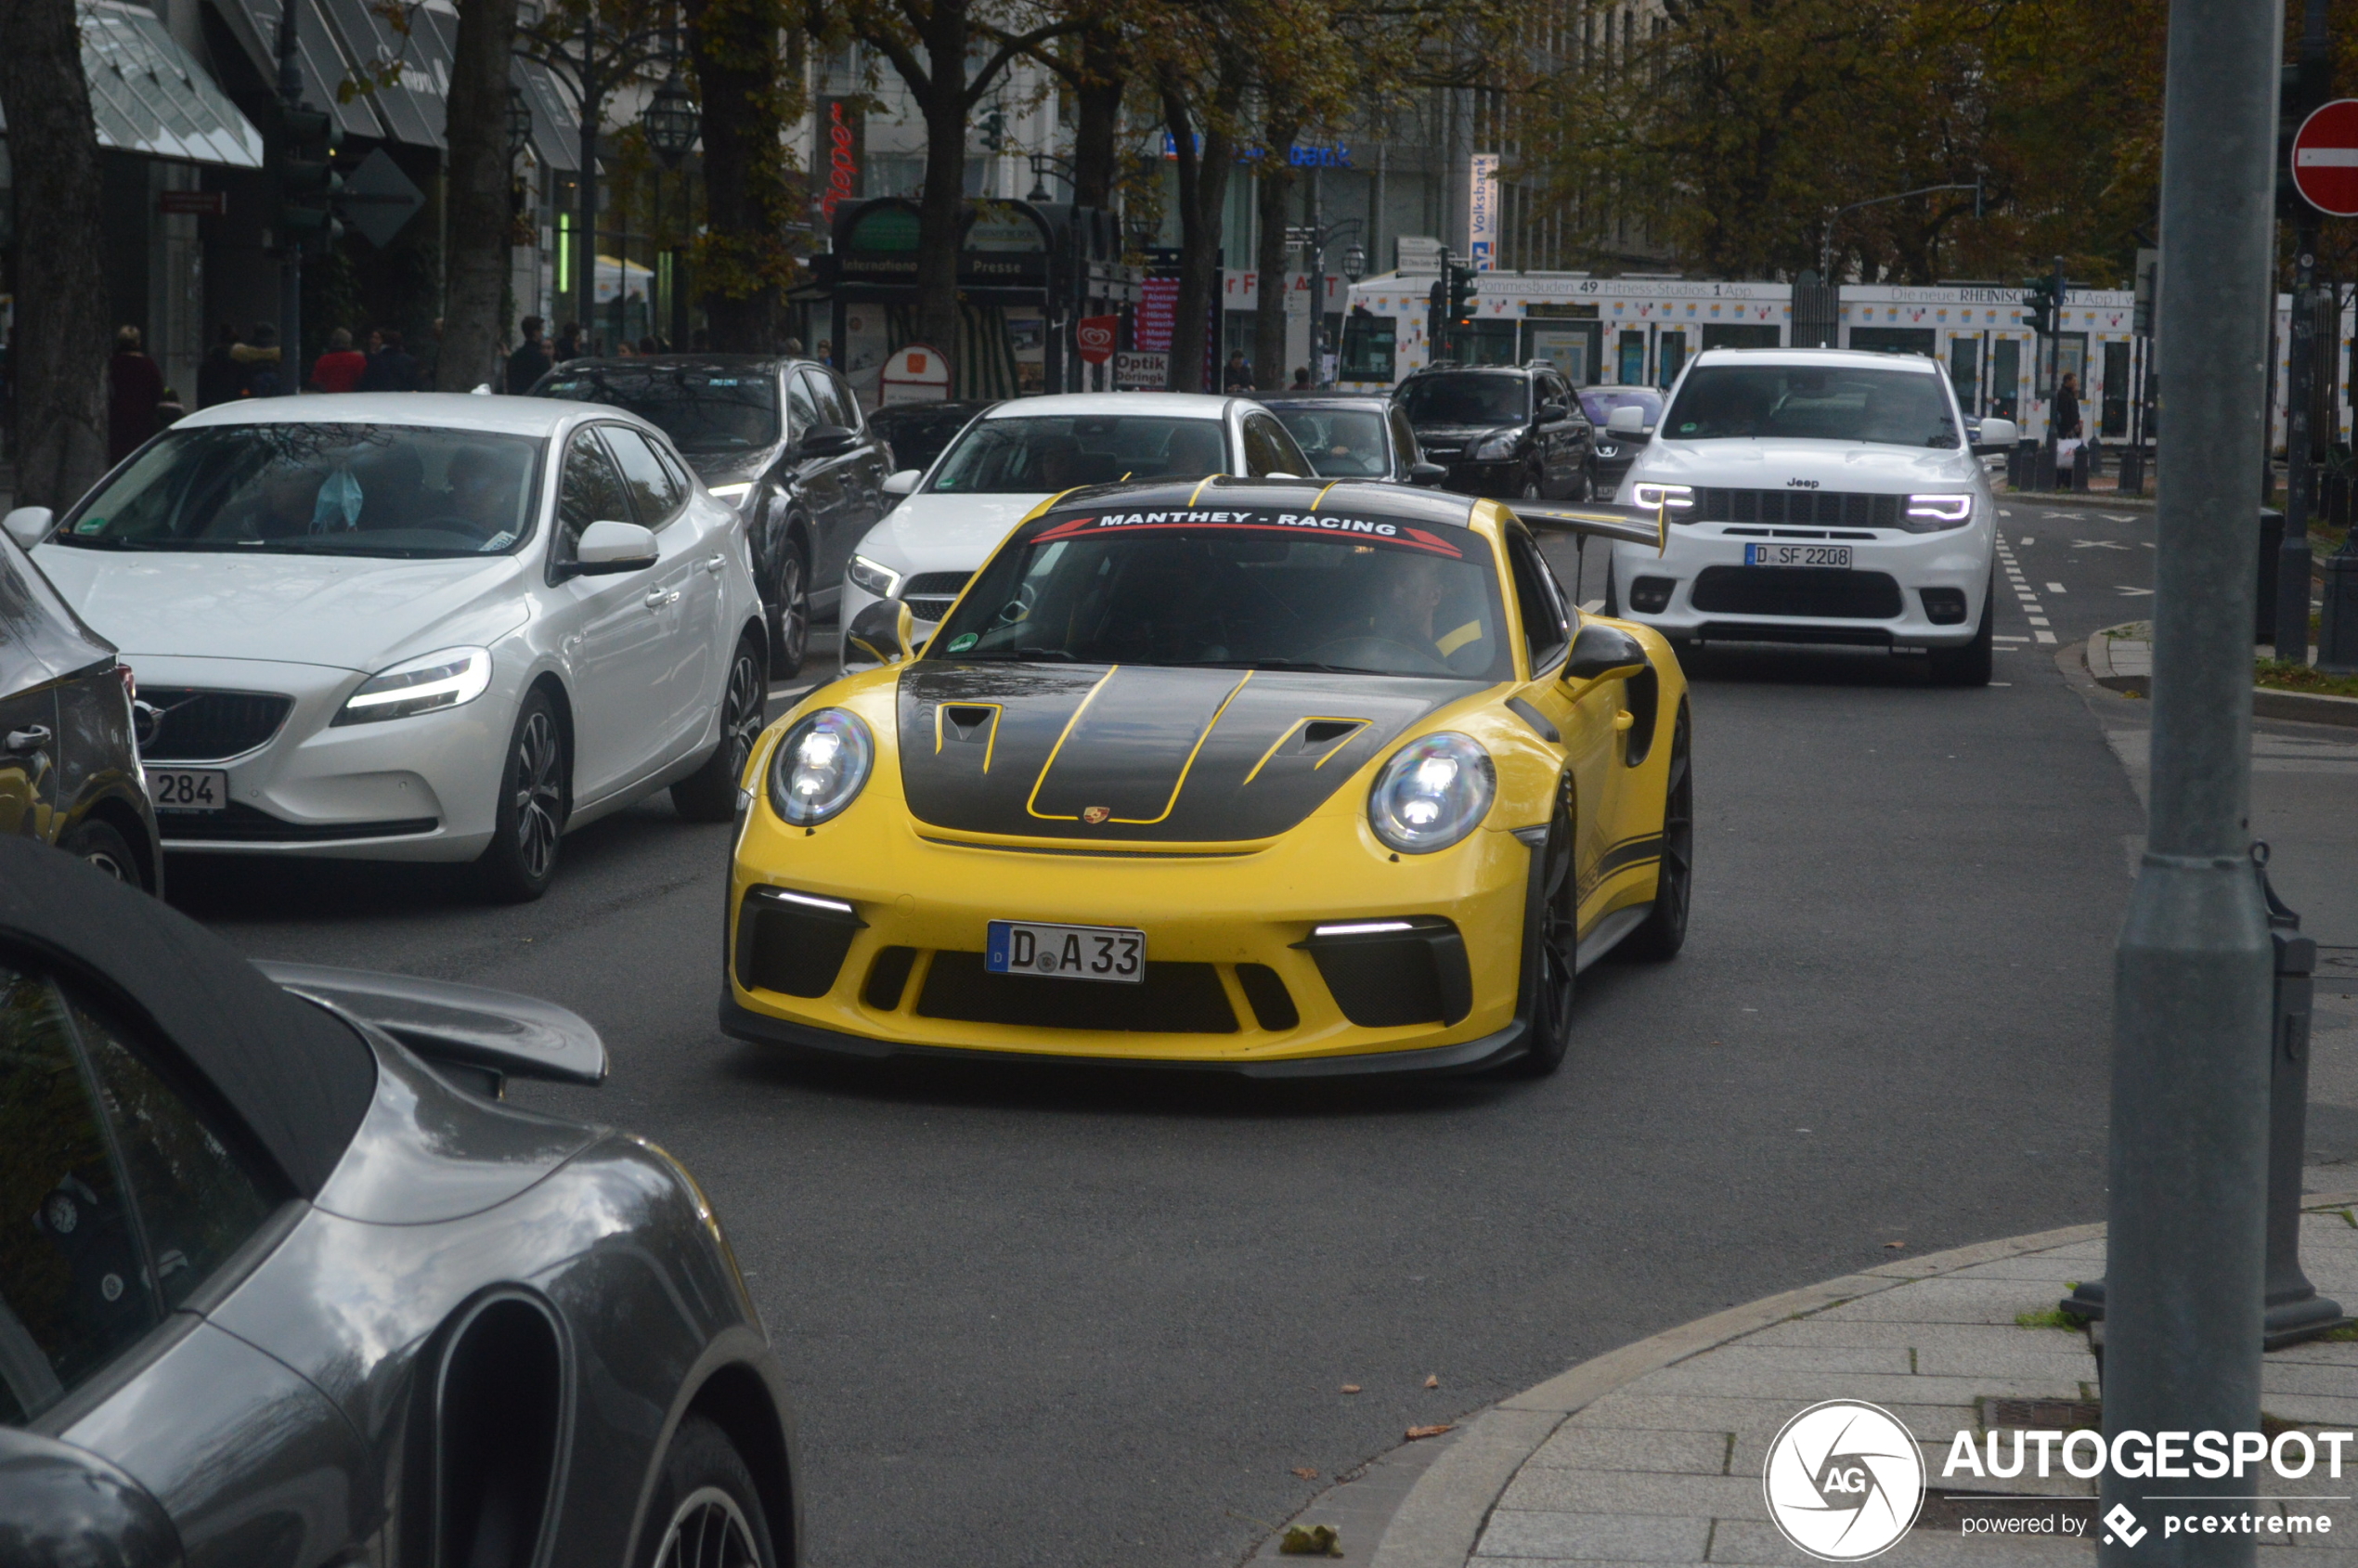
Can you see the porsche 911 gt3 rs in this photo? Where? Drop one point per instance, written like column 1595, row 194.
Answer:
column 1282, row 777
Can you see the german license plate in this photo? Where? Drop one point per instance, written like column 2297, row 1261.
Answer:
column 187, row 789
column 1066, row 953
column 1836, row 555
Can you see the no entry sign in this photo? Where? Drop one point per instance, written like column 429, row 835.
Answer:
column 2325, row 158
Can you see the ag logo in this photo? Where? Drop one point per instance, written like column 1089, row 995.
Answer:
column 1843, row 1481
column 1093, row 815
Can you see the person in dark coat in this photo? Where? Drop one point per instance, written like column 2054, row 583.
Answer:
column 530, row 361
column 390, row 367
column 259, row 371
column 2067, row 408
column 134, row 388
column 217, row 375
column 568, row 342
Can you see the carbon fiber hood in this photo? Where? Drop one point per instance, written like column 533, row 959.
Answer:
column 1102, row 754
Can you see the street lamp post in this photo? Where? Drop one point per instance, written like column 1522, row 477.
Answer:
column 672, row 124
column 1316, row 236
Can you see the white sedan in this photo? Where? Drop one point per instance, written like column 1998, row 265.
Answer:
column 1017, row 455
column 1815, row 496
column 418, row 626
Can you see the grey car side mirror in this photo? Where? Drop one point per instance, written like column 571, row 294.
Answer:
column 1996, row 436
column 883, row 631
column 1424, row 472
column 1602, row 651
column 608, row 548
column 1627, row 419
column 29, row 524
column 826, row 441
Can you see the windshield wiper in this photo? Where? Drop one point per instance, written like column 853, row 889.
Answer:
column 1019, row 655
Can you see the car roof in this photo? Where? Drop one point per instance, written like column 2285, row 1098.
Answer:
column 1853, row 357
column 300, row 1079
column 1227, row 492
column 1373, row 402
column 1170, row 405
column 682, row 361
column 447, row 410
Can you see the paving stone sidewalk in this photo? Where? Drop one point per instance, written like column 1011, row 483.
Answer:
column 1664, row 1467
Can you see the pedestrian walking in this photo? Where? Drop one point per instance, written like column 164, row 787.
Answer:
column 259, row 374
column 530, row 361
column 217, row 375
column 134, row 388
column 1302, row 378
column 2066, row 424
column 390, row 367
column 340, row 368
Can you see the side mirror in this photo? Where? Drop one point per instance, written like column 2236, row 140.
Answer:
column 1553, row 410
column 609, row 548
column 67, row 1506
column 884, row 632
column 1423, row 471
column 903, row 483
column 29, row 524
column 1997, row 436
column 826, row 441
column 1603, row 653
column 1628, row 419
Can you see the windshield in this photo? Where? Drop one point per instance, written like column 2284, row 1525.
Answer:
column 319, row 489
column 1601, row 401
column 1009, row 456
column 1467, row 399
column 701, row 410
column 1339, row 443
column 917, row 431
column 1242, row 590
column 1811, row 403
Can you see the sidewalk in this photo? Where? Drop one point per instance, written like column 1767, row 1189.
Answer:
column 1652, row 1454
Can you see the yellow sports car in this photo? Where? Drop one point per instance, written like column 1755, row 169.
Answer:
column 1274, row 776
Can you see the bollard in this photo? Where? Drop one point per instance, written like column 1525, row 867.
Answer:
column 2295, row 1311
column 2084, row 467
column 2265, row 607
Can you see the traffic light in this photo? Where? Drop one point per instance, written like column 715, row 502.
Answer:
column 309, row 184
column 1437, row 318
column 1461, row 294
column 2043, row 304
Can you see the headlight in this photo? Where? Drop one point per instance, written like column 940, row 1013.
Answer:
column 1927, row 513
column 880, row 580
column 1432, row 793
column 422, row 685
column 1676, row 498
column 818, row 768
column 734, row 494
column 1493, row 447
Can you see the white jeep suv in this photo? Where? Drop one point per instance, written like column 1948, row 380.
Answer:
column 1816, row 496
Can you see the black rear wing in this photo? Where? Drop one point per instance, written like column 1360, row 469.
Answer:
column 1636, row 524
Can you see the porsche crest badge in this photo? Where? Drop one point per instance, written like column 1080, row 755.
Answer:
column 1093, row 815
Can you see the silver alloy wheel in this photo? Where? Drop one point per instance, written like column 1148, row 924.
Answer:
column 1531, row 486
column 708, row 1530
column 741, row 710
column 103, row 861
column 539, row 796
column 794, row 609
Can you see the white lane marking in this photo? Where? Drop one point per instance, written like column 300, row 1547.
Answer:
column 2057, row 588
column 2029, row 542
column 2037, row 620
column 2119, row 516
column 2002, row 636
column 2001, row 682
column 2096, row 544
column 2046, row 637
column 1592, row 606
column 2136, row 592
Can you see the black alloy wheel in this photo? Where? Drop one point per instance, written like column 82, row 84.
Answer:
column 709, row 795
column 790, row 612
column 1551, row 949
column 711, row 1511
column 97, row 845
column 1664, row 932
column 535, row 792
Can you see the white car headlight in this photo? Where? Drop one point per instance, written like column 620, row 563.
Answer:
column 820, row 767
column 734, row 494
column 877, row 578
column 448, row 678
column 1929, row 513
column 1676, row 498
column 1432, row 793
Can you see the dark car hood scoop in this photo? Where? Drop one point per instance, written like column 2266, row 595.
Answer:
column 1104, row 754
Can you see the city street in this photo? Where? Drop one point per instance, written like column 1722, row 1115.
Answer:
column 1085, row 1318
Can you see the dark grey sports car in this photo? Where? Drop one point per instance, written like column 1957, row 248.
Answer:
column 276, row 1291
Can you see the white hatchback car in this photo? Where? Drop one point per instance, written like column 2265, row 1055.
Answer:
column 1815, row 496
column 418, row 626
column 1020, row 453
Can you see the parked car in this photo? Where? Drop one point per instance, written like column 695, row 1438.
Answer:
column 918, row 432
column 420, row 626
column 1615, row 452
column 1348, row 436
column 69, row 756
column 1020, row 454
column 284, row 1283
column 780, row 439
column 1514, row 431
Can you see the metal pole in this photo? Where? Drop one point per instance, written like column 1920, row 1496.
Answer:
column 2301, row 474
column 2195, row 966
column 1317, row 284
column 290, row 261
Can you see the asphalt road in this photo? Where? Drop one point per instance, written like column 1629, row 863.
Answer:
column 1040, row 1317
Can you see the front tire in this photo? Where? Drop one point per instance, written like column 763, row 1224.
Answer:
column 1664, row 932
column 1973, row 663
column 535, row 791
column 709, row 795
column 706, row 1512
column 1551, row 949
column 97, row 845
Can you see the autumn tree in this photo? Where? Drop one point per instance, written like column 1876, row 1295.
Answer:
column 479, row 223
column 748, row 57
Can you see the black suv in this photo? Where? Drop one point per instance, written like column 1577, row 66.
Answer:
column 1502, row 431
column 783, row 439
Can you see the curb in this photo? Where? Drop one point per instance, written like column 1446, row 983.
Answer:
column 2309, row 707
column 2092, row 498
column 1440, row 1521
